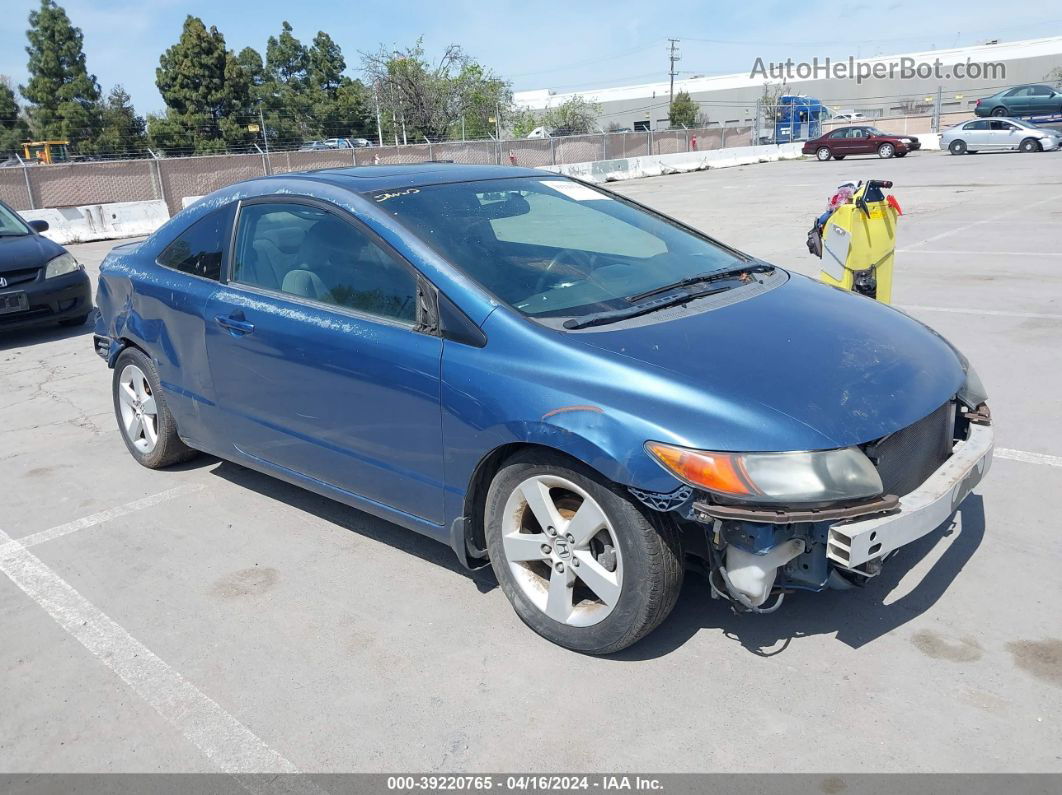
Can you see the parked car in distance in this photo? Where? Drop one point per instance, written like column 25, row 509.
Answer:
column 548, row 377
column 848, row 116
column 860, row 140
column 40, row 281
column 1035, row 99
column 998, row 134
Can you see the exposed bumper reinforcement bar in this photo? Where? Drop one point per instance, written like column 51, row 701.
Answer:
column 854, row 543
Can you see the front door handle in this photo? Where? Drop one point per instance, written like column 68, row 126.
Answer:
column 237, row 326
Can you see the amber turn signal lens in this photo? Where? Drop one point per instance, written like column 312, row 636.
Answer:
column 716, row 472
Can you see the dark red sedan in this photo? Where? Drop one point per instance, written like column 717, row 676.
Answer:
column 861, row 140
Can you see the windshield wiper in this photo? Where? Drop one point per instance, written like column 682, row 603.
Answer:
column 614, row 315
column 703, row 278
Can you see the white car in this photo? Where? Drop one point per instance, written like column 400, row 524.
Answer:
column 848, row 116
column 997, row 134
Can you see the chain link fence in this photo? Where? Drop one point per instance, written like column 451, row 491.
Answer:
column 172, row 179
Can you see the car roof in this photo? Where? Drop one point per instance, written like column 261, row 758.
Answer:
column 365, row 179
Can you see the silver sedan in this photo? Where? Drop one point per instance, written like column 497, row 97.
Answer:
column 998, row 134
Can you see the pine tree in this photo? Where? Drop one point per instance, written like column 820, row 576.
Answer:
column 325, row 63
column 206, row 91
column 13, row 127
column 286, row 57
column 63, row 96
column 122, row 131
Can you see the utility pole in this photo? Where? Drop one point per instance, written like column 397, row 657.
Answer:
column 673, row 58
column 379, row 126
column 265, row 138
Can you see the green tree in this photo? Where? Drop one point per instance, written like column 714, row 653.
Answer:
column 433, row 98
column 13, row 127
column 1055, row 78
column 286, row 57
column 522, row 121
column 206, row 91
column 325, row 63
column 683, row 111
column 122, row 131
column 63, row 96
column 575, row 116
column 250, row 60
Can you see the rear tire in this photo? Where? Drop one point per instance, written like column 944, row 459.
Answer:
column 957, row 147
column 885, row 151
column 823, row 154
column 999, row 111
column 1029, row 145
column 600, row 575
column 144, row 420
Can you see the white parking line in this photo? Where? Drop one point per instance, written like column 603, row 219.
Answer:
column 103, row 516
column 983, row 253
column 1020, row 209
column 995, row 312
column 223, row 739
column 1028, row 458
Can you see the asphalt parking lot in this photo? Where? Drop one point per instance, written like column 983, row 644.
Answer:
column 210, row 618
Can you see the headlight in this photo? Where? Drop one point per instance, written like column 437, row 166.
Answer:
column 823, row 476
column 973, row 392
column 64, row 263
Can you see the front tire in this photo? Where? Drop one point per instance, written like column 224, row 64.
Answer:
column 885, row 151
column 957, row 147
column 144, row 420
column 1029, row 145
column 823, row 154
column 581, row 563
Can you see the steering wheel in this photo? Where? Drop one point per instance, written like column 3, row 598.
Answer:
column 558, row 261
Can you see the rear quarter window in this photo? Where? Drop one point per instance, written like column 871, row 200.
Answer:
column 200, row 249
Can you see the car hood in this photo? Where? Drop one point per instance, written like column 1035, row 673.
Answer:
column 26, row 251
column 817, row 367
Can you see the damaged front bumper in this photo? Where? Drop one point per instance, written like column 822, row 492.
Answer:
column 759, row 552
column 855, row 544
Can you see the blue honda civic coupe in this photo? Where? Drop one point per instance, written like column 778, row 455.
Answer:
column 584, row 394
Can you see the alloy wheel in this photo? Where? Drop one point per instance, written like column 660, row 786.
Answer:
column 562, row 550
column 140, row 421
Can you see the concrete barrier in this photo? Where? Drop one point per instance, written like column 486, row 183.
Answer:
column 657, row 165
column 100, row 221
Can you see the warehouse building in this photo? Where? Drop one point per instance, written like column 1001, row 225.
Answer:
column 898, row 85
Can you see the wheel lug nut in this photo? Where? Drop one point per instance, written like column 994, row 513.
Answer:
column 575, row 562
column 546, row 549
column 560, row 568
column 571, row 538
column 551, row 531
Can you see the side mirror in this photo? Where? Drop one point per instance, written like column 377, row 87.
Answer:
column 38, row 226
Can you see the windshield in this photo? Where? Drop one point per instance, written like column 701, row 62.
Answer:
column 11, row 224
column 551, row 247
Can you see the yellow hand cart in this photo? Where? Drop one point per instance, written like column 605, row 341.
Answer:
column 859, row 242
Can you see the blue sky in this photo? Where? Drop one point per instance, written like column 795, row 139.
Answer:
column 565, row 46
